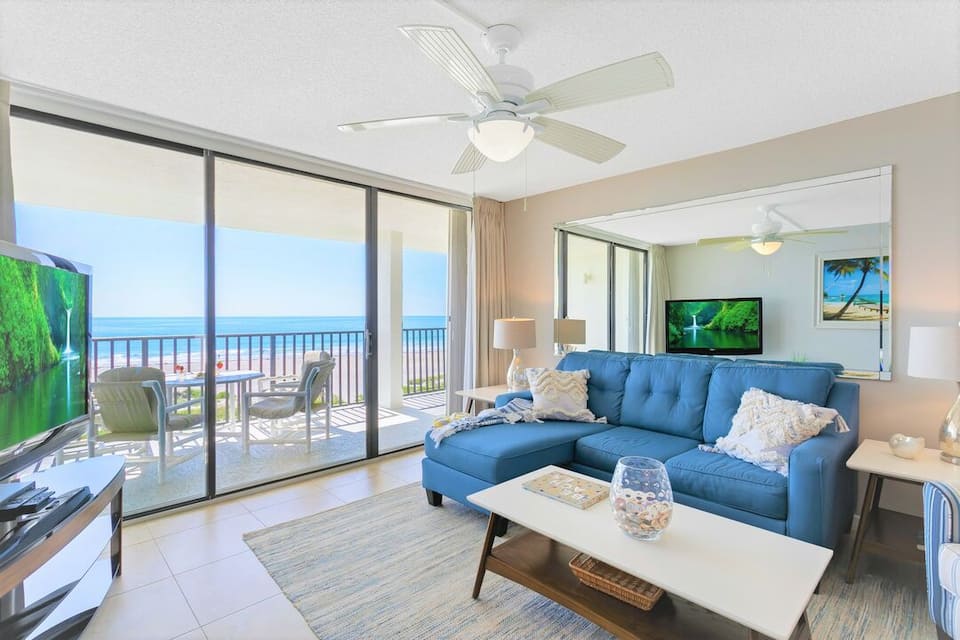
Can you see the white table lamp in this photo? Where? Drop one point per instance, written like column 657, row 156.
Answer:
column 516, row 334
column 935, row 353
column 567, row 333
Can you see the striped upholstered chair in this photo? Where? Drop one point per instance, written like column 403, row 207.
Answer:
column 941, row 533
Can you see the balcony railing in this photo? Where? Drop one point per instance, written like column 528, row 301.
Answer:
column 281, row 354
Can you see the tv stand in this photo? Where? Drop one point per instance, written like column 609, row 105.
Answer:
column 39, row 594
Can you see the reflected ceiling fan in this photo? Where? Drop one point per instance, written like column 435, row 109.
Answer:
column 765, row 237
column 510, row 112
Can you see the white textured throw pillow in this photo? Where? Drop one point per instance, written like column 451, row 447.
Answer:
column 560, row 395
column 766, row 428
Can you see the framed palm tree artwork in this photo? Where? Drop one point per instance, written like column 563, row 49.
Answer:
column 853, row 289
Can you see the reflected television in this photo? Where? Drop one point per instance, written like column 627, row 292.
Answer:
column 44, row 339
column 715, row 326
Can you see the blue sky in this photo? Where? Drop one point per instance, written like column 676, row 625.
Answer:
column 846, row 286
column 148, row 267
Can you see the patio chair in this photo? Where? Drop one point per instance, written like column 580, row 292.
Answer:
column 286, row 398
column 133, row 407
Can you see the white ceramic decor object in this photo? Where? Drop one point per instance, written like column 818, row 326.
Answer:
column 908, row 447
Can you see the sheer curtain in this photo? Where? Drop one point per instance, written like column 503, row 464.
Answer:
column 456, row 307
column 659, row 293
column 8, row 228
column 486, row 294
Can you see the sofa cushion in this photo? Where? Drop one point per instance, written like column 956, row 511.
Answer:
column 602, row 450
column 719, row 478
column 504, row 451
column 608, row 371
column 731, row 379
column 667, row 394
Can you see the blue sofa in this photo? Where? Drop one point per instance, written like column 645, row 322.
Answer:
column 663, row 407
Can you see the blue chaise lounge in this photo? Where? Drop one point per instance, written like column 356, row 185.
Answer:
column 663, row 407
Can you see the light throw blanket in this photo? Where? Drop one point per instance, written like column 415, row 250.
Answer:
column 517, row 410
column 766, row 428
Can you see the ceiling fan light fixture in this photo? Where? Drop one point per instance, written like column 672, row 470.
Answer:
column 766, row 247
column 501, row 139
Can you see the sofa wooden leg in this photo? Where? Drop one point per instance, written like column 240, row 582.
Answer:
column 434, row 499
column 501, row 528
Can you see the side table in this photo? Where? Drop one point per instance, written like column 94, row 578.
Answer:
column 482, row 394
column 892, row 532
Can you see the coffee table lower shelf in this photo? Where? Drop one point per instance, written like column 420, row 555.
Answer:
column 540, row 564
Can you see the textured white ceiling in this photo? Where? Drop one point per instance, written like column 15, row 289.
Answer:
column 285, row 73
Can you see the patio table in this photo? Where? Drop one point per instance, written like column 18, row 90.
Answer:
column 241, row 378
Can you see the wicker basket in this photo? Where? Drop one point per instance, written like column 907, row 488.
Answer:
column 616, row 583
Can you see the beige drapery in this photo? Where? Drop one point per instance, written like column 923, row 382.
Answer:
column 456, row 307
column 659, row 293
column 487, row 290
column 8, row 227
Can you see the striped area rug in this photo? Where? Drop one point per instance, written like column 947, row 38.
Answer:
column 393, row 567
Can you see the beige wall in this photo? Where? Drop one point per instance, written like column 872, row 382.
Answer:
column 921, row 141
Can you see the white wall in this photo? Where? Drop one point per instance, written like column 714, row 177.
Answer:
column 787, row 282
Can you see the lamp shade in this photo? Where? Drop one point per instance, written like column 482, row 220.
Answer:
column 514, row 333
column 934, row 353
column 569, row 331
column 501, row 139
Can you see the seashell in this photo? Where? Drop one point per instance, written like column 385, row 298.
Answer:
column 908, row 447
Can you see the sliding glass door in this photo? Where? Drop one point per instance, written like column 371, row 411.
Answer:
column 412, row 265
column 290, row 291
column 603, row 283
column 294, row 322
column 133, row 211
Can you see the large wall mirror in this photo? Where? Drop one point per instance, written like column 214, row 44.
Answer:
column 817, row 252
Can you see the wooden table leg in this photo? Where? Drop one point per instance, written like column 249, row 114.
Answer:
column 492, row 524
column 802, row 630
column 871, row 499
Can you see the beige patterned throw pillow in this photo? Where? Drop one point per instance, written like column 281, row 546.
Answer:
column 560, row 395
column 766, row 428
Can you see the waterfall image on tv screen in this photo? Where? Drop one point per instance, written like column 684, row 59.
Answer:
column 715, row 326
column 43, row 348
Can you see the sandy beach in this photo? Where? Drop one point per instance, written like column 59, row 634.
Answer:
column 857, row 312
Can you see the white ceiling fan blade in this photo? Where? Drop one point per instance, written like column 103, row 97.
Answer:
column 399, row 122
column 631, row 77
column 738, row 245
column 577, row 140
column 824, row 232
column 445, row 47
column 470, row 160
column 728, row 239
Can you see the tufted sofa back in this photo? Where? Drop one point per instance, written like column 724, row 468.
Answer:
column 608, row 372
column 667, row 394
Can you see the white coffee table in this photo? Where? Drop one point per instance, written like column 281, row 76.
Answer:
column 721, row 576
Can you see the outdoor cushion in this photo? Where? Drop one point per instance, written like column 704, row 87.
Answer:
column 602, row 450
column 667, row 394
column 608, row 371
column 731, row 379
column 719, row 478
column 504, row 451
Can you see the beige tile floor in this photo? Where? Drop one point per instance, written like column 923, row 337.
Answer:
column 190, row 576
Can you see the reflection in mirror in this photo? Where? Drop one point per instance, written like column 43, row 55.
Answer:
column 817, row 252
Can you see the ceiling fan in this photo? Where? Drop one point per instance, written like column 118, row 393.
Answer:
column 510, row 112
column 765, row 237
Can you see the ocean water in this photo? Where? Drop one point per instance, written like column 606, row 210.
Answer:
column 331, row 333
column 865, row 298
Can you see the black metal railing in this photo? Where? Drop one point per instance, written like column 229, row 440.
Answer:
column 281, row 354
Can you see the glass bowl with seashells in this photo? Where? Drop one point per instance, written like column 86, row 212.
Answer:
column 641, row 497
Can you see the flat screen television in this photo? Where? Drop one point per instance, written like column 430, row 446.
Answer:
column 44, row 341
column 715, row 326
